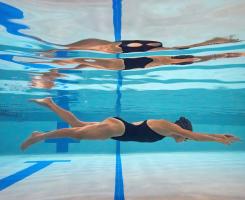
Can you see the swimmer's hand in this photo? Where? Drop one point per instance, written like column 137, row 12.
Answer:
column 229, row 139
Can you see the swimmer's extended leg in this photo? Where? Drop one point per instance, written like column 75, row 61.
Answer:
column 87, row 43
column 110, row 64
column 97, row 131
column 64, row 114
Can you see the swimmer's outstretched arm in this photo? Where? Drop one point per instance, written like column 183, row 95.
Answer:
column 219, row 56
column 202, row 137
column 217, row 40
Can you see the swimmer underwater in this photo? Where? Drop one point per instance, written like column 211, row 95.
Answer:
column 116, row 128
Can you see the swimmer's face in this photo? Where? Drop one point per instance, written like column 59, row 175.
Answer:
column 179, row 138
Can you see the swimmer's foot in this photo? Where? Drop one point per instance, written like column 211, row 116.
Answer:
column 34, row 138
column 44, row 102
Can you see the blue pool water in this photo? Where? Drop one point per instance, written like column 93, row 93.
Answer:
column 211, row 94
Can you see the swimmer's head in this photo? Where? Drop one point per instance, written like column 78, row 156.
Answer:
column 184, row 123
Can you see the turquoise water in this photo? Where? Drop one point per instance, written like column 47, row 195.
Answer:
column 211, row 94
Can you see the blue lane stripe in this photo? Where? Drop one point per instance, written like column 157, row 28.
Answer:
column 119, row 94
column 119, row 188
column 62, row 144
column 117, row 14
column 20, row 175
column 8, row 13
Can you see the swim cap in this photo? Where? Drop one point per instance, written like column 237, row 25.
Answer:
column 184, row 123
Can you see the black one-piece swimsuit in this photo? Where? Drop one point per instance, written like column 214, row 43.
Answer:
column 140, row 62
column 138, row 133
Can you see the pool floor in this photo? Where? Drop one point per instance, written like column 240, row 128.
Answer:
column 151, row 176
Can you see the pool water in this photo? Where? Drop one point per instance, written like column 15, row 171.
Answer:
column 211, row 94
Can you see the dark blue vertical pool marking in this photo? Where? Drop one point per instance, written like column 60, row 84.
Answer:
column 117, row 14
column 20, row 175
column 62, row 144
column 119, row 188
column 119, row 94
column 8, row 13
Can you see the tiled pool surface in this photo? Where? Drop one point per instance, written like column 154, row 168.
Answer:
column 155, row 176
